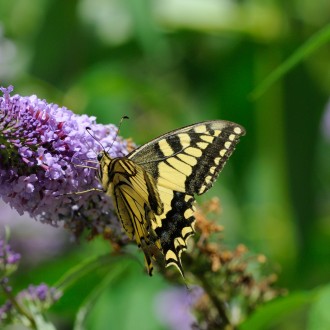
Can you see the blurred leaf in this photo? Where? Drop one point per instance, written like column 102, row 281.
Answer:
column 90, row 301
column 273, row 312
column 80, row 281
column 319, row 316
column 85, row 268
column 148, row 36
column 128, row 302
column 319, row 39
column 154, row 105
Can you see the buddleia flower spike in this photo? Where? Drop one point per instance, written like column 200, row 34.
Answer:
column 40, row 143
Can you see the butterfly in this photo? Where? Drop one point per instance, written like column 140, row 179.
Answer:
column 153, row 187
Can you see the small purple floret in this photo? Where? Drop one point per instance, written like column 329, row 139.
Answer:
column 7, row 255
column 41, row 293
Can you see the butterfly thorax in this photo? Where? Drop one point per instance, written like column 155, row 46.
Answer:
column 111, row 167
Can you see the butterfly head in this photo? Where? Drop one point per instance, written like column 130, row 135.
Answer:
column 103, row 156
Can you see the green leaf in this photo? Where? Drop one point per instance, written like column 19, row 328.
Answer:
column 274, row 311
column 319, row 39
column 90, row 301
column 85, row 268
column 128, row 302
column 319, row 316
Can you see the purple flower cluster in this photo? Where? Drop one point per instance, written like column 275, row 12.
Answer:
column 41, row 297
column 8, row 259
column 41, row 145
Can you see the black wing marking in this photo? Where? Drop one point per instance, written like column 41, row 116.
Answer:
column 177, row 227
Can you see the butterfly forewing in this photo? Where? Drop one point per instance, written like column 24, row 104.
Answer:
column 184, row 162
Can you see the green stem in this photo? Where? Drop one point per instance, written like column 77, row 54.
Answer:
column 319, row 39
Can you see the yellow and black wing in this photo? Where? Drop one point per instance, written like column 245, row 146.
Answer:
column 136, row 200
column 182, row 163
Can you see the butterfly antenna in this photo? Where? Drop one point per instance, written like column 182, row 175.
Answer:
column 119, row 125
column 89, row 131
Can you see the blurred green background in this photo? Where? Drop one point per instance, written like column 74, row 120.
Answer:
column 170, row 63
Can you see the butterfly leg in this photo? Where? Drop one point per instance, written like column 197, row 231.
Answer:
column 86, row 191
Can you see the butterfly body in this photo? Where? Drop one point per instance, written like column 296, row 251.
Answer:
column 153, row 187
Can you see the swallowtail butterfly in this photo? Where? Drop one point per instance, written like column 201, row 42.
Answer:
column 153, row 187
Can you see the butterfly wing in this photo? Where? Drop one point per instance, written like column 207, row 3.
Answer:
column 136, row 200
column 183, row 163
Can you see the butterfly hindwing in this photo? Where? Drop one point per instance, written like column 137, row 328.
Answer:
column 177, row 226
